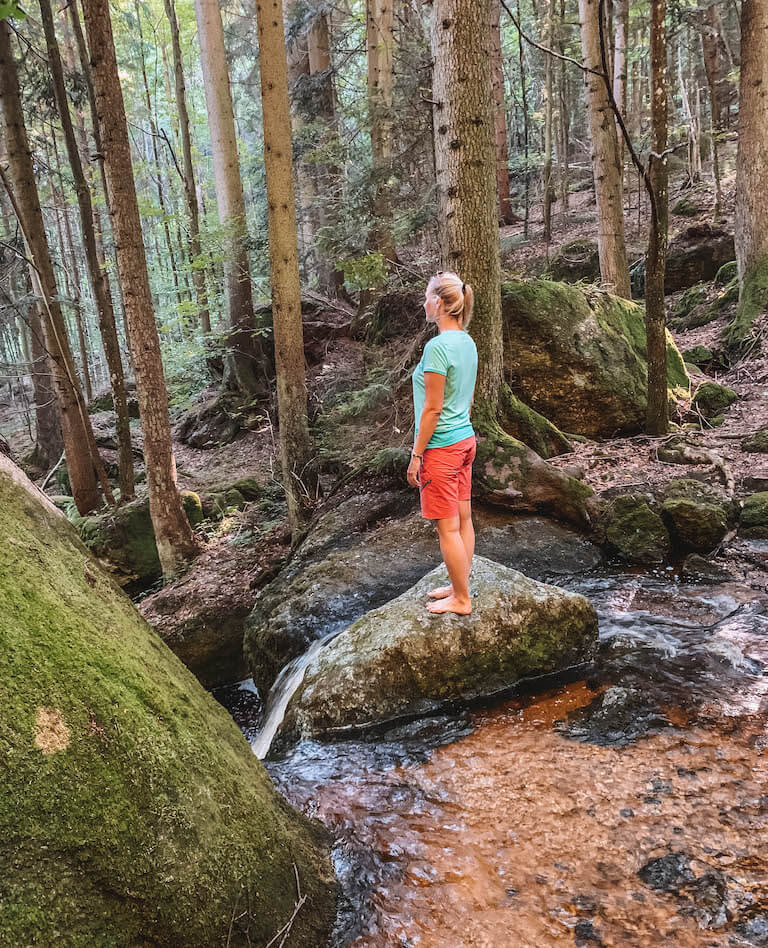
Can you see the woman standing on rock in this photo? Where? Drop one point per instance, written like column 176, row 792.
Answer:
column 444, row 442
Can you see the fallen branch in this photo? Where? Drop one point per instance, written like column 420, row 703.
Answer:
column 285, row 930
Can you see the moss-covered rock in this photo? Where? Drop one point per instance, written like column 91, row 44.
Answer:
column 634, row 531
column 753, row 523
column 696, row 515
column 692, row 297
column 685, row 207
column 710, row 398
column 577, row 260
column 383, row 666
column 577, row 356
column 528, row 426
column 753, row 303
column 756, row 443
column 696, row 569
column 726, row 297
column 132, row 811
column 124, row 540
column 727, row 273
column 696, row 254
column 699, row 355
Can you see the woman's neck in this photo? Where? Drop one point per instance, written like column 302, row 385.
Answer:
column 447, row 323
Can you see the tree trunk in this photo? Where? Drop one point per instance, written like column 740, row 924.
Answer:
column 548, row 112
column 295, row 446
column 620, row 70
column 176, row 542
column 75, row 423
column 506, row 215
column 96, row 274
column 190, row 188
column 614, row 270
column 657, row 415
column 49, row 442
column 526, row 124
column 710, row 57
column 379, row 17
column 245, row 362
column 751, row 230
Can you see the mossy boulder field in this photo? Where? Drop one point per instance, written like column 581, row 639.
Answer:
column 578, row 356
column 132, row 811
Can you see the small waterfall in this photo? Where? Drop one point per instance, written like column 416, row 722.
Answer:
column 282, row 691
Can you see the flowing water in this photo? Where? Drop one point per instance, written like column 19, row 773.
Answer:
column 627, row 809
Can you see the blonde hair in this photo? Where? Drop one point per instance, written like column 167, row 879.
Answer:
column 457, row 296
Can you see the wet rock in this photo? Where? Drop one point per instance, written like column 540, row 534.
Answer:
column 124, row 540
column 634, row 530
column 577, row 260
column 131, row 810
column 753, row 524
column 577, row 356
column 697, row 569
column 371, row 549
column 585, row 933
column 696, row 254
column 383, row 666
column 696, row 515
column 617, row 717
column 710, row 398
column 756, row 443
column 754, row 930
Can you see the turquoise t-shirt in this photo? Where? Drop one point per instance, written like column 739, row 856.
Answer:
column 453, row 354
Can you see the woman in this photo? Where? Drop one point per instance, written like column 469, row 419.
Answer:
column 444, row 442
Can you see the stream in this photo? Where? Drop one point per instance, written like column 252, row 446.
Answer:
column 628, row 808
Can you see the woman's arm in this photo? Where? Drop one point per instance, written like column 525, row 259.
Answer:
column 434, row 391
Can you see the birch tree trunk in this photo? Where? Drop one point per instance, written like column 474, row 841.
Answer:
column 190, row 189
column 751, row 230
column 379, row 20
column 175, row 540
column 246, row 359
column 614, row 270
column 295, row 445
column 96, row 274
column 75, row 423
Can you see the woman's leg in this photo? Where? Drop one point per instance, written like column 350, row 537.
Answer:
column 457, row 563
column 467, row 531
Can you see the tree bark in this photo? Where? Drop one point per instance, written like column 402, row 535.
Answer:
column 245, row 362
column 49, row 442
column 295, row 446
column 549, row 194
column 614, row 270
column 751, row 230
column 96, row 274
column 75, row 423
column 379, row 19
column 190, row 188
column 620, row 70
column 657, row 414
column 506, row 215
column 176, row 542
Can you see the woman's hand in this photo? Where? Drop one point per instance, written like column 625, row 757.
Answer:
column 413, row 471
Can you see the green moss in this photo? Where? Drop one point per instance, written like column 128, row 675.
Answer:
column 756, row 443
column 695, row 525
column 727, row 273
column 689, row 300
column 530, row 427
column 710, row 398
column 698, row 355
column 685, row 207
column 152, row 823
column 634, row 531
column 753, row 303
column 753, row 523
column 577, row 260
column 726, row 297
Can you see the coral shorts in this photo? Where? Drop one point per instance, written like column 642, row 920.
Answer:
column 445, row 478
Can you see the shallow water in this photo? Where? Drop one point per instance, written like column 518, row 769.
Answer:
column 629, row 809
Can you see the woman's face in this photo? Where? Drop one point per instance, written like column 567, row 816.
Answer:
column 431, row 304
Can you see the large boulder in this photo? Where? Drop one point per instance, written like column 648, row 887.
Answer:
column 575, row 261
column 124, row 540
column 697, row 515
column 402, row 661
column 577, row 355
column 696, row 255
column 132, row 811
column 633, row 530
column 753, row 523
column 371, row 549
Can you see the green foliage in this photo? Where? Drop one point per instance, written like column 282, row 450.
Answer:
column 364, row 273
column 11, row 10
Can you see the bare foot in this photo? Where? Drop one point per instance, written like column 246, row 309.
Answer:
column 442, row 592
column 450, row 604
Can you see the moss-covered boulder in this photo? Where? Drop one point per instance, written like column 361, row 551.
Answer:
column 711, row 398
column 577, row 356
column 753, row 523
column 696, row 254
column 685, row 207
column 697, row 516
column 727, row 273
column 756, row 443
column 383, row 666
column 132, row 811
column 691, row 298
column 124, row 540
column 577, row 260
column 699, row 355
column 633, row 529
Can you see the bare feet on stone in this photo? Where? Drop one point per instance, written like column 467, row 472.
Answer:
column 450, row 604
column 441, row 592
